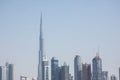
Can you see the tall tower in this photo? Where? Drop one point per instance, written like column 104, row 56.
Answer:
column 119, row 73
column 86, row 71
column 54, row 69
column 40, row 70
column 45, row 68
column 97, row 68
column 77, row 68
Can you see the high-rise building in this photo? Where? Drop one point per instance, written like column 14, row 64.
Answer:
column 86, row 71
column 45, row 68
column 54, row 69
column 40, row 64
column 97, row 68
column 2, row 73
column 119, row 73
column 77, row 68
column 113, row 77
column 9, row 71
column 64, row 73
column 104, row 75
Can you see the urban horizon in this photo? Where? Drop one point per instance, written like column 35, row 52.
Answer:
column 68, row 30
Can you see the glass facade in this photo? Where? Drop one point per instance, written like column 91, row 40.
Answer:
column 97, row 68
column 77, row 68
column 54, row 69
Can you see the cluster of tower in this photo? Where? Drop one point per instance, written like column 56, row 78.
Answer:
column 6, row 72
column 59, row 72
column 81, row 71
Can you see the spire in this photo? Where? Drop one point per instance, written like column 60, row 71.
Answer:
column 41, row 25
column 41, row 37
column 97, row 53
column 40, row 70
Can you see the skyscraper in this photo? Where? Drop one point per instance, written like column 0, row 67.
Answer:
column 11, row 74
column 77, row 68
column 97, row 68
column 119, row 73
column 9, row 71
column 86, row 71
column 6, row 72
column 54, row 69
column 2, row 73
column 40, row 64
column 45, row 67
column 104, row 75
column 64, row 72
column 113, row 77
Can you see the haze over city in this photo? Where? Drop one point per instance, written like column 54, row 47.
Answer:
column 70, row 28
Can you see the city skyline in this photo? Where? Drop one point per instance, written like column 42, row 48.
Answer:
column 70, row 28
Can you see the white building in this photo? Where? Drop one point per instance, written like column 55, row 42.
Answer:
column 45, row 68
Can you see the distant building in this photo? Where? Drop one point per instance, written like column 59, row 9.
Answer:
column 6, row 72
column 113, row 77
column 26, row 78
column 97, row 68
column 77, row 68
column 104, row 75
column 64, row 72
column 119, row 73
column 9, row 71
column 54, row 69
column 86, row 71
column 45, row 67
column 2, row 73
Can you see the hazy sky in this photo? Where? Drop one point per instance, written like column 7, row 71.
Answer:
column 70, row 27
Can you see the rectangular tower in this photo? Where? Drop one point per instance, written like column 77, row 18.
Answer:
column 9, row 71
column 54, row 69
column 119, row 73
column 86, row 71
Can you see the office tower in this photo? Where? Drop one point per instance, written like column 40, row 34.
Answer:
column 64, row 73
column 113, row 77
column 86, row 71
column 104, row 75
column 9, row 71
column 2, row 73
column 77, row 68
column 40, row 70
column 45, row 67
column 97, row 68
column 119, row 73
column 54, row 69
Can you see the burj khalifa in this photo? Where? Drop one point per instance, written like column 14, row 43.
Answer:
column 40, row 64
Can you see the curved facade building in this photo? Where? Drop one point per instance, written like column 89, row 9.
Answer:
column 77, row 68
